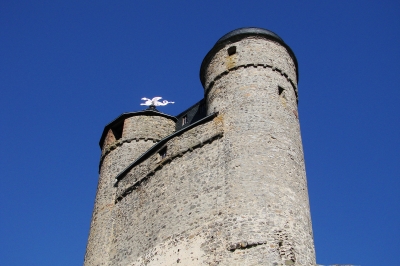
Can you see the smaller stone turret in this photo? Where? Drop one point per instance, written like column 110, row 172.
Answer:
column 123, row 140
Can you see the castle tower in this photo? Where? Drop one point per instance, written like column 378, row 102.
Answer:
column 250, row 77
column 122, row 141
column 223, row 183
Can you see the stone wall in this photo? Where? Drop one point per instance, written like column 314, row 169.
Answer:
column 161, row 199
column 139, row 134
column 267, row 190
column 252, row 51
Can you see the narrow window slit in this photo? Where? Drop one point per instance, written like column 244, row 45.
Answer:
column 163, row 153
column 282, row 95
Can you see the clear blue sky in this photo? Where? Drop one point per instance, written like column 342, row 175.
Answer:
column 67, row 68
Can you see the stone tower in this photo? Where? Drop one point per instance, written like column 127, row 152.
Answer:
column 223, row 183
column 123, row 140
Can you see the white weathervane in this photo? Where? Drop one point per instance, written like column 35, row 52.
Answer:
column 155, row 102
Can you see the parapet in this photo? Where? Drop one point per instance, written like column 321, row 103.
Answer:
column 127, row 126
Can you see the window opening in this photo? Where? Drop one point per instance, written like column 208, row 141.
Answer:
column 231, row 50
column 117, row 130
column 282, row 95
column 280, row 90
column 163, row 153
column 184, row 120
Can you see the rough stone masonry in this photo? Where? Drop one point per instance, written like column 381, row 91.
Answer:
column 223, row 183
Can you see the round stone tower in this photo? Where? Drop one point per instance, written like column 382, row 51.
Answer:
column 250, row 77
column 122, row 141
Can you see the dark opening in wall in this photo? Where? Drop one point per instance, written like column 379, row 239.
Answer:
column 117, row 130
column 163, row 153
column 232, row 50
column 184, row 120
column 280, row 90
column 282, row 96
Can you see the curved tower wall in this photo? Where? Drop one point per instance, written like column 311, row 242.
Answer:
column 251, row 81
column 125, row 141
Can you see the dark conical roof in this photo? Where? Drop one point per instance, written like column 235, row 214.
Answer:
column 241, row 33
column 249, row 31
